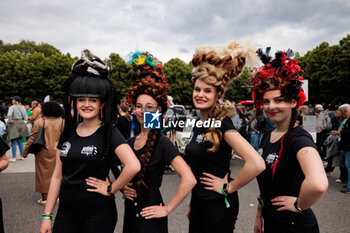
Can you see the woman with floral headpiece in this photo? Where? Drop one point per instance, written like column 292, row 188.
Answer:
column 294, row 178
column 86, row 150
column 145, row 210
column 214, row 202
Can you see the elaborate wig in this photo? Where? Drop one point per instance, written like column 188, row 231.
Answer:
column 90, row 78
column 148, row 78
column 281, row 73
column 218, row 67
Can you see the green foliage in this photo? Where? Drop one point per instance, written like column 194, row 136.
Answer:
column 121, row 75
column 178, row 75
column 238, row 89
column 32, row 71
column 328, row 72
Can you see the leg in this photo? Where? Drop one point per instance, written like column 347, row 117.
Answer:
column 20, row 145
column 343, row 174
column 14, row 147
column 347, row 164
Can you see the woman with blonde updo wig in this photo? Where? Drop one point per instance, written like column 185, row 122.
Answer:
column 214, row 202
column 144, row 207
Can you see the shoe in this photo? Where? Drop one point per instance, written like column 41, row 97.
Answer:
column 12, row 160
column 21, row 158
column 41, row 202
column 338, row 181
column 345, row 190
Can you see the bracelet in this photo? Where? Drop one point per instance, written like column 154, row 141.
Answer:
column 48, row 218
column 225, row 195
column 296, row 205
column 47, row 214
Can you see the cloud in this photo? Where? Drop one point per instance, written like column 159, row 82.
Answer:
column 175, row 28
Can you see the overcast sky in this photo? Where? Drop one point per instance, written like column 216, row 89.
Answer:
column 173, row 28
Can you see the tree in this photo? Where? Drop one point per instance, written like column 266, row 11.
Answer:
column 121, row 75
column 178, row 75
column 238, row 89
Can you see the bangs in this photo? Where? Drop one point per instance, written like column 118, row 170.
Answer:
column 89, row 86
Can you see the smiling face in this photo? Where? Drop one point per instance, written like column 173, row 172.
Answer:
column 89, row 107
column 145, row 103
column 276, row 108
column 204, row 95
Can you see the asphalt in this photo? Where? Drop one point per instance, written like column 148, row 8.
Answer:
column 23, row 215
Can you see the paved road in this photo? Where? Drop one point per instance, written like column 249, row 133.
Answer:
column 23, row 215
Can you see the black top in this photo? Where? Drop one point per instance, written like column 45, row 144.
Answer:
column 163, row 154
column 81, row 157
column 201, row 160
column 288, row 176
column 124, row 126
column 345, row 135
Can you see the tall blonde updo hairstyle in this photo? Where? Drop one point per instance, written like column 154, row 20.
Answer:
column 218, row 67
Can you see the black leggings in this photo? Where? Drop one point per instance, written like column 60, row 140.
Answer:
column 85, row 212
column 208, row 216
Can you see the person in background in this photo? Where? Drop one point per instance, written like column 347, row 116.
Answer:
column 294, row 178
column 36, row 112
column 3, row 165
column 320, row 129
column 3, row 111
column 45, row 160
column 303, row 111
column 339, row 158
column 344, row 132
column 257, row 128
column 124, row 121
column 16, row 127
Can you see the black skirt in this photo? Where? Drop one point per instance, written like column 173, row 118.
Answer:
column 135, row 223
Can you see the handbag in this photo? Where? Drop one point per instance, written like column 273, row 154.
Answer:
column 39, row 141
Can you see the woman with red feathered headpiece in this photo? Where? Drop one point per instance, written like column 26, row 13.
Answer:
column 294, row 178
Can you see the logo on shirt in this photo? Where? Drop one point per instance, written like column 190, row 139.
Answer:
column 151, row 120
column 89, row 150
column 270, row 159
column 65, row 149
column 200, row 139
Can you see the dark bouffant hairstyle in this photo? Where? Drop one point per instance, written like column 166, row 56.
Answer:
column 90, row 78
column 51, row 109
column 218, row 67
column 148, row 78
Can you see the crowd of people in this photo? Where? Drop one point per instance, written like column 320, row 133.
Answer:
column 89, row 136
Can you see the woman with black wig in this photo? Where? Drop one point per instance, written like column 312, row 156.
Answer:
column 144, row 207
column 85, row 153
column 294, row 178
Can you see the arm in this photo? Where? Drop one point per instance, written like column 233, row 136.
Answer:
column 3, row 162
column 259, row 222
column 54, row 191
column 188, row 181
column 253, row 165
column 131, row 168
column 314, row 185
column 9, row 114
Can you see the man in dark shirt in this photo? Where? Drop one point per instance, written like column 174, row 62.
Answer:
column 3, row 111
column 344, row 131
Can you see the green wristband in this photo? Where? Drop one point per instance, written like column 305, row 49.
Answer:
column 48, row 218
column 226, row 201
